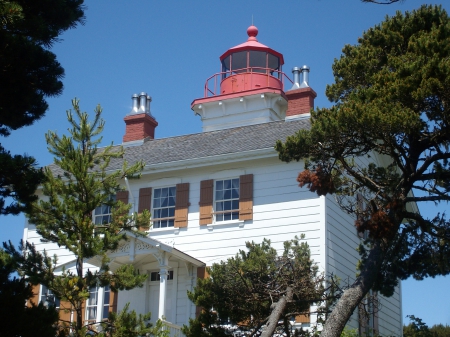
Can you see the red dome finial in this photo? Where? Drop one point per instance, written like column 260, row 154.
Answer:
column 252, row 32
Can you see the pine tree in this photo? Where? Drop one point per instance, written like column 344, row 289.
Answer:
column 29, row 73
column 391, row 96
column 18, row 315
column 79, row 181
column 257, row 291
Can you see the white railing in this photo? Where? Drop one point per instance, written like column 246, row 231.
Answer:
column 174, row 330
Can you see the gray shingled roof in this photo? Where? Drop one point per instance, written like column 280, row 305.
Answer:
column 213, row 143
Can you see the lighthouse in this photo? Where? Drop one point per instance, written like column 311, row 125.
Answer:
column 251, row 88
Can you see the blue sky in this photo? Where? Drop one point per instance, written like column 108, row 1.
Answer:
column 169, row 48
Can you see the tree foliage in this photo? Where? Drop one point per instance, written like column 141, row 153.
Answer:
column 246, row 289
column 130, row 324
column 418, row 328
column 386, row 137
column 79, row 181
column 29, row 73
column 19, row 316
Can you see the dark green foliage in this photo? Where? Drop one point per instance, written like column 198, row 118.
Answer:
column 18, row 180
column 29, row 73
column 16, row 317
column 392, row 98
column 130, row 324
column 78, row 182
column 387, row 137
column 243, row 290
column 418, row 328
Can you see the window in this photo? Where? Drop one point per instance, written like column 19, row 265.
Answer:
column 226, row 199
column 154, row 276
column 168, row 205
column 97, row 305
column 226, row 203
column 102, row 214
column 48, row 298
column 164, row 207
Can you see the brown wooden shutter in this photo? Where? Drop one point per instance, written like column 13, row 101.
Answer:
column 35, row 298
column 246, row 197
column 122, row 196
column 113, row 298
column 302, row 318
column 181, row 205
column 145, row 199
column 65, row 311
column 206, row 201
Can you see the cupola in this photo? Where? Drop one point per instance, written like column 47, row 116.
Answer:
column 249, row 89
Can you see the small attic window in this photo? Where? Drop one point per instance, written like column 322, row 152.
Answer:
column 154, row 276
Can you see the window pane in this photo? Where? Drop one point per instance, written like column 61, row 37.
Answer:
column 157, row 213
column 164, row 192
column 105, row 312
column 219, row 195
column 106, row 297
column 164, row 202
column 227, row 205
column 227, row 194
column 92, row 313
column 157, row 203
column 164, row 213
column 157, row 193
column 239, row 60
column 172, row 201
column 235, row 204
column 219, row 185
column 226, row 184
column 171, row 212
column 171, row 222
column 219, row 206
column 236, row 183
column 172, row 191
column 235, row 194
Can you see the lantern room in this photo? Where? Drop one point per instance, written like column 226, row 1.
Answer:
column 249, row 89
column 250, row 65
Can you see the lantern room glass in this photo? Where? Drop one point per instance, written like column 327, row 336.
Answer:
column 251, row 61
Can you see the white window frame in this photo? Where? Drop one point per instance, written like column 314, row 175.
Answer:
column 98, row 306
column 218, row 211
column 157, row 217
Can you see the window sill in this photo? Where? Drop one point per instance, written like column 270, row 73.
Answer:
column 240, row 223
column 165, row 229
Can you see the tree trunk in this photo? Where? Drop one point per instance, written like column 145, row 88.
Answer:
column 276, row 313
column 343, row 310
column 79, row 310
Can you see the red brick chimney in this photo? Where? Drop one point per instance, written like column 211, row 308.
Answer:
column 140, row 124
column 301, row 96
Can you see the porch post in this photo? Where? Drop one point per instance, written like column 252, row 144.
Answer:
column 162, row 287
